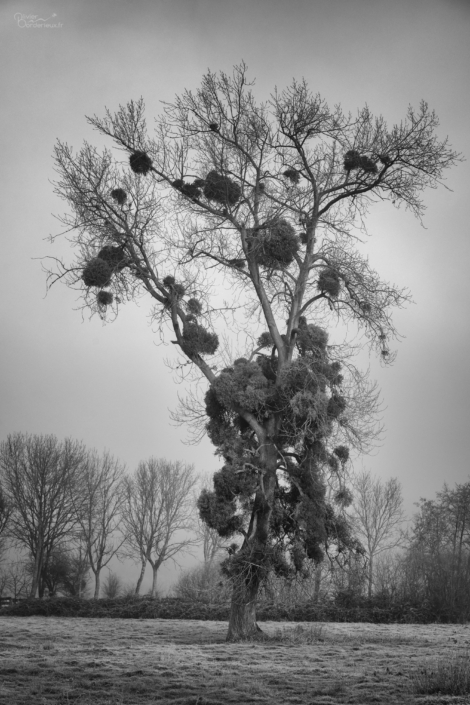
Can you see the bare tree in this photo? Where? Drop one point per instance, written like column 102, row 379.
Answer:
column 158, row 512
column 6, row 510
column 264, row 202
column 378, row 515
column 19, row 579
column 98, row 511
column 41, row 476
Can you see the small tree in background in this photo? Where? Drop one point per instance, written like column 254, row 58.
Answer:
column 244, row 217
column 41, row 477
column 158, row 513
column 378, row 516
column 98, row 511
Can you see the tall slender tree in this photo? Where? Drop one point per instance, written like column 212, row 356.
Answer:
column 158, row 513
column 378, row 516
column 246, row 216
column 98, row 511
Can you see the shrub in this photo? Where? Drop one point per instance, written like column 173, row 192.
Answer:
column 449, row 676
column 112, row 586
column 205, row 583
column 97, row 273
column 221, row 189
column 140, row 162
column 119, row 195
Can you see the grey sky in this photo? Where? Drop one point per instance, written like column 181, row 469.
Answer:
column 107, row 385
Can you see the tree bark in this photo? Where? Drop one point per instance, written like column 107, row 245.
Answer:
column 370, row 576
column 141, row 577
column 37, row 570
column 248, row 563
column 242, row 621
column 317, row 583
column 97, row 586
column 154, row 580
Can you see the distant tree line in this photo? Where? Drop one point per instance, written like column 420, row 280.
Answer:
column 71, row 510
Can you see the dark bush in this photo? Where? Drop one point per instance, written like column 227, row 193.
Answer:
column 174, row 608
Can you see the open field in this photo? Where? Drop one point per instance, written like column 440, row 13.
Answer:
column 134, row 662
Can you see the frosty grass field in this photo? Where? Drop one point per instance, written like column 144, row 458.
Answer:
column 134, row 662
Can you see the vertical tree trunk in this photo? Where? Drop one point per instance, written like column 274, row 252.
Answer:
column 317, row 583
column 154, row 580
column 370, row 576
column 97, row 585
column 37, row 570
column 141, row 577
column 250, row 562
column 242, row 621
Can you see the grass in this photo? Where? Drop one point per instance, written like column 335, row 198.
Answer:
column 85, row 661
column 449, row 676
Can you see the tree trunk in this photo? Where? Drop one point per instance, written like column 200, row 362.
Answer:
column 97, row 585
column 242, row 621
column 249, row 564
column 154, row 580
column 369, row 577
column 141, row 577
column 317, row 583
column 37, row 570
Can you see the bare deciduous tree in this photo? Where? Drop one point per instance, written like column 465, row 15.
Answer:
column 98, row 511
column 41, row 476
column 158, row 512
column 263, row 202
column 5, row 514
column 378, row 516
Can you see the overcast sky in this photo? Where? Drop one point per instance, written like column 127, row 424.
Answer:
column 107, row 385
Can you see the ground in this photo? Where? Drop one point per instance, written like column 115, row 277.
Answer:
column 49, row 660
